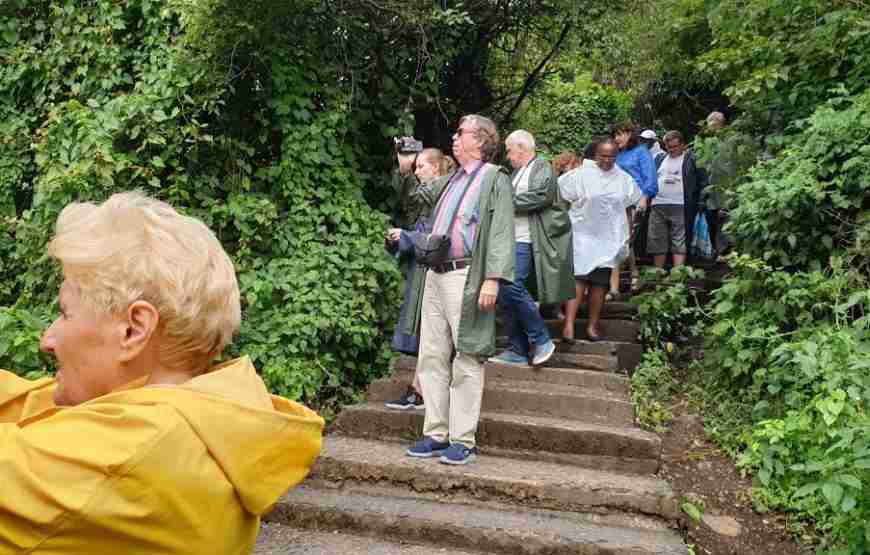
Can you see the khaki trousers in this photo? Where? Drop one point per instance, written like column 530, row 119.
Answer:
column 452, row 386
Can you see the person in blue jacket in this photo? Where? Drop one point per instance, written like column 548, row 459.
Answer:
column 635, row 159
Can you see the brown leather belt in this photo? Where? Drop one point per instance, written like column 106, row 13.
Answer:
column 451, row 265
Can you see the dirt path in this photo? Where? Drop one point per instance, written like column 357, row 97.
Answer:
column 705, row 477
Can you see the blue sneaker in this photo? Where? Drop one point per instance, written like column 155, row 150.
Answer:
column 543, row 353
column 511, row 358
column 427, row 448
column 458, row 454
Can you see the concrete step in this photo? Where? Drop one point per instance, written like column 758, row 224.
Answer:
column 493, row 528
column 278, row 539
column 614, row 310
column 627, row 353
column 610, row 330
column 533, row 398
column 510, row 431
column 619, row 309
column 561, row 359
column 590, row 379
column 529, row 483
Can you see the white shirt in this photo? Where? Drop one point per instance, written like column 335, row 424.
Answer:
column 670, row 176
column 598, row 221
column 522, row 231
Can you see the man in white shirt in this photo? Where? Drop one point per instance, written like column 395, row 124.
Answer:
column 673, row 209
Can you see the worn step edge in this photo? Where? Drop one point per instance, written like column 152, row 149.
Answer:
column 511, row 431
column 580, row 346
column 627, row 353
column 592, row 379
column 485, row 529
column 279, row 539
column 606, row 463
column 534, row 399
column 532, row 483
column 610, row 330
column 583, row 361
column 622, row 309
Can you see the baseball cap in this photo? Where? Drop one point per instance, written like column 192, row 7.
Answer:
column 648, row 134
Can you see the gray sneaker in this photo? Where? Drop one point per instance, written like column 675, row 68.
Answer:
column 543, row 353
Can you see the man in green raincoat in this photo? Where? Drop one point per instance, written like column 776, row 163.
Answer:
column 454, row 302
column 543, row 237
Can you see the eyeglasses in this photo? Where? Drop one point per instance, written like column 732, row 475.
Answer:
column 460, row 131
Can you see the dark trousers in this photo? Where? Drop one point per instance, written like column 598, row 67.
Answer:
column 518, row 309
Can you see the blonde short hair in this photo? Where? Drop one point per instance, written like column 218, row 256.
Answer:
column 133, row 247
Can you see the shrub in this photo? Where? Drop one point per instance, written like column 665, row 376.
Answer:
column 652, row 385
column 812, row 200
column 794, row 346
column 103, row 97
column 668, row 306
column 566, row 115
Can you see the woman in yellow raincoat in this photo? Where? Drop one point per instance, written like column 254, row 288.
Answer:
column 140, row 445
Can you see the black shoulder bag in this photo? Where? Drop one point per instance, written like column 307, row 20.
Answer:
column 432, row 249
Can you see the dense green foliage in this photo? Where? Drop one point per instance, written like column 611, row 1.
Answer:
column 811, row 201
column 101, row 97
column 783, row 383
column 566, row 115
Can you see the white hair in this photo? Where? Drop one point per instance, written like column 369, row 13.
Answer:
column 716, row 116
column 133, row 247
column 522, row 139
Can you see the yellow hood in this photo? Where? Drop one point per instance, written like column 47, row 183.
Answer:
column 263, row 443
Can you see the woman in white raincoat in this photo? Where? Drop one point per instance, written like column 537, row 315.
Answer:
column 599, row 193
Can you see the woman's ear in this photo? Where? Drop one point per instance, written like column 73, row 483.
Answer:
column 141, row 321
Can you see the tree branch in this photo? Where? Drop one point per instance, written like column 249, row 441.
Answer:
column 533, row 77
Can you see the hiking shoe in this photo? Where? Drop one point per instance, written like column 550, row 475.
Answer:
column 458, row 454
column 427, row 448
column 409, row 401
column 510, row 357
column 543, row 353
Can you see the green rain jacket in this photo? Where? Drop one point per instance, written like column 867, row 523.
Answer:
column 550, row 228
column 493, row 257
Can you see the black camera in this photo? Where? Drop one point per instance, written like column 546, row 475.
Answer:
column 407, row 145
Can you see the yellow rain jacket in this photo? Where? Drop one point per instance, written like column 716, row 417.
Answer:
column 184, row 469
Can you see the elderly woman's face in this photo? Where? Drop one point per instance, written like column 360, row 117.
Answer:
column 87, row 348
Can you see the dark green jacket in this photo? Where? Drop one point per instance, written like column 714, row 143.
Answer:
column 413, row 200
column 492, row 257
column 550, row 228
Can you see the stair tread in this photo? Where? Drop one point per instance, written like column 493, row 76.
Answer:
column 527, row 386
column 561, row 359
column 492, row 528
column 545, row 388
column 542, row 421
column 546, row 484
column 278, row 539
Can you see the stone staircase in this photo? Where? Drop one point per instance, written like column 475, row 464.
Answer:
column 562, row 468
